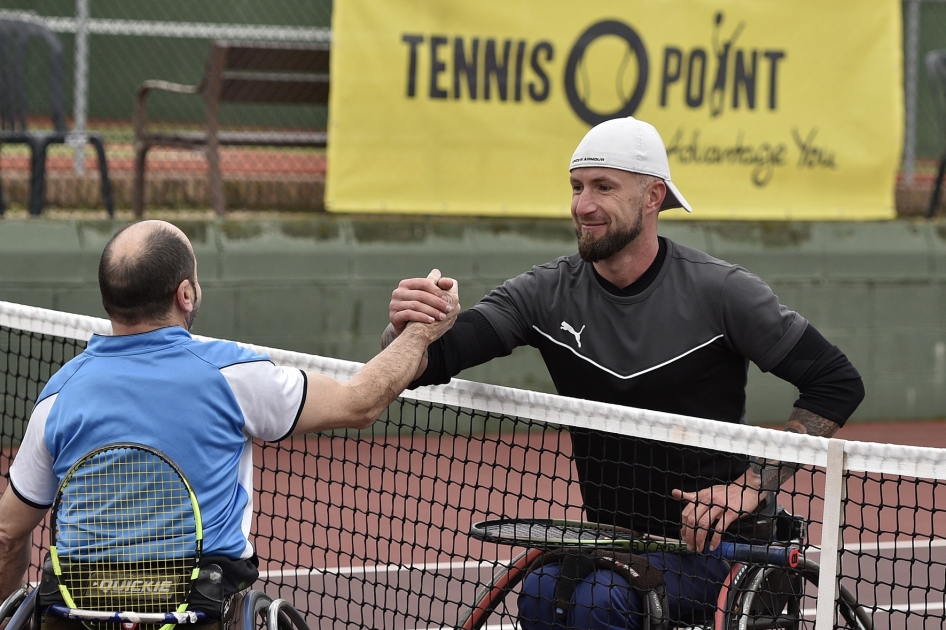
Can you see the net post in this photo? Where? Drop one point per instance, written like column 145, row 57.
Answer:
column 81, row 87
column 831, row 535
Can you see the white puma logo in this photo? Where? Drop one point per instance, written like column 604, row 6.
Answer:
column 568, row 327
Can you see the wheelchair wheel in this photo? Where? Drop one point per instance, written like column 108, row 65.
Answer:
column 763, row 598
column 12, row 603
column 18, row 607
column 767, row 597
column 251, row 614
column 850, row 613
column 283, row 616
column 493, row 593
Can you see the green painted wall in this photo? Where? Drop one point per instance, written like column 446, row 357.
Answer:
column 322, row 285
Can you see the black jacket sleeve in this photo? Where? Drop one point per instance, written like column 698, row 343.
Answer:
column 471, row 341
column 827, row 382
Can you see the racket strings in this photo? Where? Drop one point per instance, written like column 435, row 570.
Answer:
column 127, row 534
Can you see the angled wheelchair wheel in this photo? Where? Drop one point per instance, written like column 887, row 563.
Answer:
column 851, row 615
column 491, row 596
column 762, row 598
column 251, row 612
column 258, row 611
column 283, row 616
column 18, row 608
column 12, row 603
column 766, row 597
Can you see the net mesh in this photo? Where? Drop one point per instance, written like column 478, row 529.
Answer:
column 370, row 529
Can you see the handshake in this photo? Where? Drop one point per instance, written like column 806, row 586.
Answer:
column 432, row 303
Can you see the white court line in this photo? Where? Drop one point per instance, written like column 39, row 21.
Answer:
column 386, row 568
column 888, row 545
column 915, row 543
column 914, row 607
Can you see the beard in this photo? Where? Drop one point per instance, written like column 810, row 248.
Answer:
column 190, row 317
column 593, row 249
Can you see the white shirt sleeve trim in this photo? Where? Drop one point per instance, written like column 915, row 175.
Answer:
column 269, row 396
column 31, row 473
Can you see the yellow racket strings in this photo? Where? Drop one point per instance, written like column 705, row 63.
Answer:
column 127, row 533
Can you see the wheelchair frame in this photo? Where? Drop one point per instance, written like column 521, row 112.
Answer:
column 253, row 609
column 753, row 597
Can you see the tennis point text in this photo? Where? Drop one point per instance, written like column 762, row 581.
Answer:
column 721, row 76
column 471, row 66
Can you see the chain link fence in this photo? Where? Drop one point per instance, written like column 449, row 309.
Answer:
column 925, row 123
column 112, row 46
column 109, row 48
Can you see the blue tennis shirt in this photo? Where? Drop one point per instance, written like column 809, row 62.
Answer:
column 198, row 402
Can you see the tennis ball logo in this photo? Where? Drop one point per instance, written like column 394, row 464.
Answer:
column 606, row 73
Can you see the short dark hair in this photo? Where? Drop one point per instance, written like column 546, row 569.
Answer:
column 140, row 289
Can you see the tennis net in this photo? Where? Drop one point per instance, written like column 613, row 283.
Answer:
column 370, row 529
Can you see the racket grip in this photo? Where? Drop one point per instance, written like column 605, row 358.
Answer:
column 759, row 554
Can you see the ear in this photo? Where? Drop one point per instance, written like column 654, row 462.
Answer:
column 185, row 298
column 654, row 196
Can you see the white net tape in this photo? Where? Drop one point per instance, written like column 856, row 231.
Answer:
column 890, row 459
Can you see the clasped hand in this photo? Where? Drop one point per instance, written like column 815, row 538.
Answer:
column 432, row 300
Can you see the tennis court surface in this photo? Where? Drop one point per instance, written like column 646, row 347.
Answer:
column 370, row 529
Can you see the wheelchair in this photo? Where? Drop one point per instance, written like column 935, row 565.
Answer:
column 125, row 554
column 753, row 596
column 251, row 610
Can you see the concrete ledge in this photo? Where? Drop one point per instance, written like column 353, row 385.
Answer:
column 321, row 284
column 272, row 192
column 167, row 190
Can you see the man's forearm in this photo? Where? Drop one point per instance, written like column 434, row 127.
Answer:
column 383, row 378
column 388, row 337
column 14, row 561
column 810, row 423
column 769, row 474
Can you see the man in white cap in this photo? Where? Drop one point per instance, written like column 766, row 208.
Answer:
column 638, row 320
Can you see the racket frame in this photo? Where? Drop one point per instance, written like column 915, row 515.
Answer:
column 788, row 555
column 180, row 612
column 627, row 539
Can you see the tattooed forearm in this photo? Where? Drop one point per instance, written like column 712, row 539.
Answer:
column 770, row 474
column 804, row 421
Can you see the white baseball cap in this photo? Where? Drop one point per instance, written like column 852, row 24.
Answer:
column 628, row 144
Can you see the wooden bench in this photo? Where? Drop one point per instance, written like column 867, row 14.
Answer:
column 238, row 72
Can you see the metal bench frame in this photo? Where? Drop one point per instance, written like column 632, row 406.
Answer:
column 238, row 72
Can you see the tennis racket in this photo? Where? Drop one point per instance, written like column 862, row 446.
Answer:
column 126, row 538
column 557, row 533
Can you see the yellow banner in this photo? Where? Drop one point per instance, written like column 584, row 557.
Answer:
column 784, row 109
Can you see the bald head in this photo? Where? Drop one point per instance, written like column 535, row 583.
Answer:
column 141, row 269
